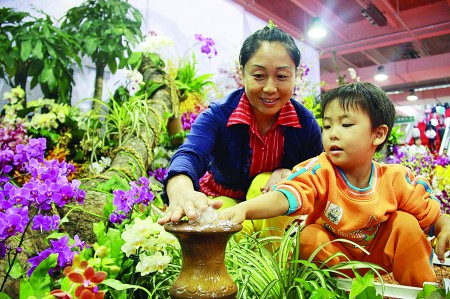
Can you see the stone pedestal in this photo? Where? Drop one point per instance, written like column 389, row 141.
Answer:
column 203, row 273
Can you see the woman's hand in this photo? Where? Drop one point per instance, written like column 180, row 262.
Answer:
column 185, row 201
column 276, row 177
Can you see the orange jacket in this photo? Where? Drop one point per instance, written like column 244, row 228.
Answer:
column 319, row 189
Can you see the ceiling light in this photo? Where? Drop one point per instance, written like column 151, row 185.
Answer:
column 317, row 30
column 412, row 95
column 381, row 74
column 374, row 15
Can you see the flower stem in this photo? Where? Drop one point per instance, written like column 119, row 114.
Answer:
column 74, row 208
column 16, row 253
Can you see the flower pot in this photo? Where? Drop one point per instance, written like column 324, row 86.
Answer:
column 203, row 273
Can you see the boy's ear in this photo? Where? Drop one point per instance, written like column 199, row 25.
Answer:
column 241, row 72
column 380, row 134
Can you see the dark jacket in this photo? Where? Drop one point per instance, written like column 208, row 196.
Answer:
column 225, row 151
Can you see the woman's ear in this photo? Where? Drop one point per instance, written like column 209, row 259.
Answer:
column 380, row 135
column 241, row 73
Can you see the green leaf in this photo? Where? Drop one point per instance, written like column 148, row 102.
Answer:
column 65, row 219
column 114, row 183
column 46, row 74
column 322, row 293
column 112, row 64
column 37, row 50
column 26, row 290
column 135, row 59
column 25, row 50
column 17, row 271
column 369, row 293
column 55, row 236
column 90, row 45
column 99, row 229
column 52, row 51
column 115, row 284
column 364, row 287
column 4, row 296
column 427, row 291
column 23, row 112
column 40, row 279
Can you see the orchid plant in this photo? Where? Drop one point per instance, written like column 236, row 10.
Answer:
column 144, row 246
column 435, row 168
column 182, row 71
column 31, row 205
column 58, row 123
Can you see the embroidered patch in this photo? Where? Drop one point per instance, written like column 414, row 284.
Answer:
column 333, row 212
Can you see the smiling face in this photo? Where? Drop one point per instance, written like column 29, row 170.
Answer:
column 348, row 137
column 269, row 79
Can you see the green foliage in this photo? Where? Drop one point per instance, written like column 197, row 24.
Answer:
column 117, row 122
column 263, row 273
column 57, row 123
column 40, row 283
column 34, row 48
column 430, row 291
column 187, row 82
column 364, row 287
column 106, row 30
column 396, row 135
column 311, row 103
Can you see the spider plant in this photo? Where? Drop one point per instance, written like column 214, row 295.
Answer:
column 261, row 272
column 116, row 122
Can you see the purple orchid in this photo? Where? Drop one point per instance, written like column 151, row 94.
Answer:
column 208, row 45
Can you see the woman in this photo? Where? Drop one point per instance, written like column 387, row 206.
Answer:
column 247, row 142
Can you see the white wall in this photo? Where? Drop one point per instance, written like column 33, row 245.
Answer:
column 224, row 21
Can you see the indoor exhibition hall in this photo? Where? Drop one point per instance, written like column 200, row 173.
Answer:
column 243, row 149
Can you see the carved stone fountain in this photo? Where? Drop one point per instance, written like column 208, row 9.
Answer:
column 203, row 273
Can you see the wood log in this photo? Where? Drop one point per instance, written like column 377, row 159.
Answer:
column 131, row 160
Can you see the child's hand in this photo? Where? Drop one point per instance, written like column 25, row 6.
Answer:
column 235, row 214
column 441, row 243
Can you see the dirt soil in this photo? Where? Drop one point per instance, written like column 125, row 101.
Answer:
column 441, row 273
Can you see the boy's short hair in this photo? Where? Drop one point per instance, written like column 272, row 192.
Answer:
column 366, row 97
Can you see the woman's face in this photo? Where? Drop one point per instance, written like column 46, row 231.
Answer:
column 269, row 79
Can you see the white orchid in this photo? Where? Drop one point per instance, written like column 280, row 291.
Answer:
column 149, row 240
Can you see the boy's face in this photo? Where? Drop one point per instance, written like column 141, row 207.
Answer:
column 269, row 79
column 348, row 137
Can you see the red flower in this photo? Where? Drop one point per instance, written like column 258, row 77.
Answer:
column 89, row 293
column 88, row 280
column 61, row 294
column 77, row 266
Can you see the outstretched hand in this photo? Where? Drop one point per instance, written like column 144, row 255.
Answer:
column 235, row 214
column 188, row 203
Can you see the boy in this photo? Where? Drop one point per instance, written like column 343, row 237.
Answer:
column 346, row 194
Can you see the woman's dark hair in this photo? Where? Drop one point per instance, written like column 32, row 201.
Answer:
column 268, row 34
column 365, row 97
